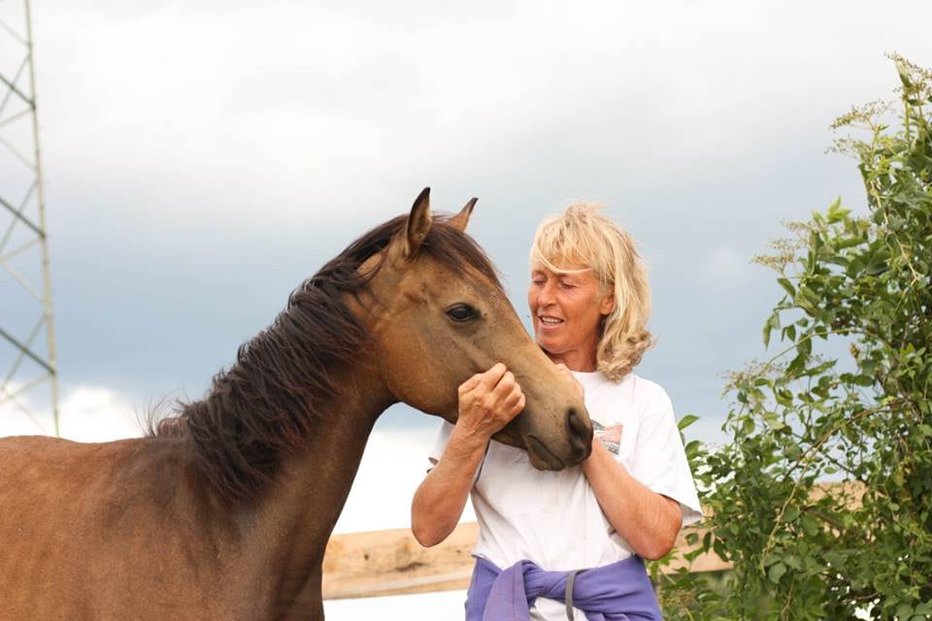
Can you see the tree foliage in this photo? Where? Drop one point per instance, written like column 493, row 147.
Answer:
column 823, row 498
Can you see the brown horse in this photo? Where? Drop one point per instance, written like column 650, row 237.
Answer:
column 224, row 511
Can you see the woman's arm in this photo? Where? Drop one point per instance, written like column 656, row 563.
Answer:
column 440, row 499
column 648, row 521
column 487, row 402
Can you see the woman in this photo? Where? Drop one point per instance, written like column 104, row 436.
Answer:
column 589, row 299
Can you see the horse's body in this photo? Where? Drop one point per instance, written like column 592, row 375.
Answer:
column 225, row 511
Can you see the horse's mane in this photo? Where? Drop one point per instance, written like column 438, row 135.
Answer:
column 266, row 403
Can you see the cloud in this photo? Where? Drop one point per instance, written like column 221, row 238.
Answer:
column 95, row 414
column 286, row 106
column 86, row 414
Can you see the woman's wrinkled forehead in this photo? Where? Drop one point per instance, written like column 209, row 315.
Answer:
column 559, row 264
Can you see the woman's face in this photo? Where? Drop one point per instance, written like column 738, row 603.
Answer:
column 567, row 310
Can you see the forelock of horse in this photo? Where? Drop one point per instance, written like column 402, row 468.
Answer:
column 267, row 402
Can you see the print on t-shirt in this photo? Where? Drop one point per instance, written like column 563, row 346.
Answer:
column 610, row 437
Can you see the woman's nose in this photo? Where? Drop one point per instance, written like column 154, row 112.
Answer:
column 545, row 295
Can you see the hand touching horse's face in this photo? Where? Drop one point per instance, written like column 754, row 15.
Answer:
column 437, row 319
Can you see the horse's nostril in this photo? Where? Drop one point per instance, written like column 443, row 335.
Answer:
column 580, row 433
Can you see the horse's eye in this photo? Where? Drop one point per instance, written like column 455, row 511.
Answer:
column 462, row 313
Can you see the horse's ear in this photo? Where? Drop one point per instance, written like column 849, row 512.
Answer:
column 418, row 225
column 461, row 219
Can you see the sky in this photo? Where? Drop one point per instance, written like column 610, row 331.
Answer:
column 202, row 158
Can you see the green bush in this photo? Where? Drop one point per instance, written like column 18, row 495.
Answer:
column 823, row 498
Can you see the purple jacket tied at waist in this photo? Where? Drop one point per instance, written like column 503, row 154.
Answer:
column 616, row 592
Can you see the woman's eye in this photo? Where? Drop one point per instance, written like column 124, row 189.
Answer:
column 462, row 313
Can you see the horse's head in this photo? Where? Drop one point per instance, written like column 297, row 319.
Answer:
column 439, row 315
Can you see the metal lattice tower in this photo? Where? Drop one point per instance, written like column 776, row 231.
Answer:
column 28, row 376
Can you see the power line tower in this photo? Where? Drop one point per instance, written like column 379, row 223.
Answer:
column 27, row 335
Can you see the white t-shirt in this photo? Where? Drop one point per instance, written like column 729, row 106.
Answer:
column 553, row 518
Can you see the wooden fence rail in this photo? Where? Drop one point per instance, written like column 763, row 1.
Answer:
column 392, row 562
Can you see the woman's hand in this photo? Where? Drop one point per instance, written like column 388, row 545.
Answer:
column 487, row 402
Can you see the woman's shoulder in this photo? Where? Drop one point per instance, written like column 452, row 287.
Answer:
column 645, row 398
column 647, row 395
column 645, row 386
column 633, row 389
column 637, row 385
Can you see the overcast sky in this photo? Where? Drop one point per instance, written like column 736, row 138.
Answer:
column 202, row 158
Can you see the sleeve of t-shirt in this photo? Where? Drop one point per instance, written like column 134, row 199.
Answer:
column 440, row 444
column 659, row 457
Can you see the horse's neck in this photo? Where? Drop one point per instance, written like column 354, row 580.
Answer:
column 306, row 500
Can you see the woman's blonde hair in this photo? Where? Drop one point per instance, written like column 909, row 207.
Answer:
column 582, row 235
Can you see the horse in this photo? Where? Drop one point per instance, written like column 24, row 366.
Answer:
column 224, row 509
